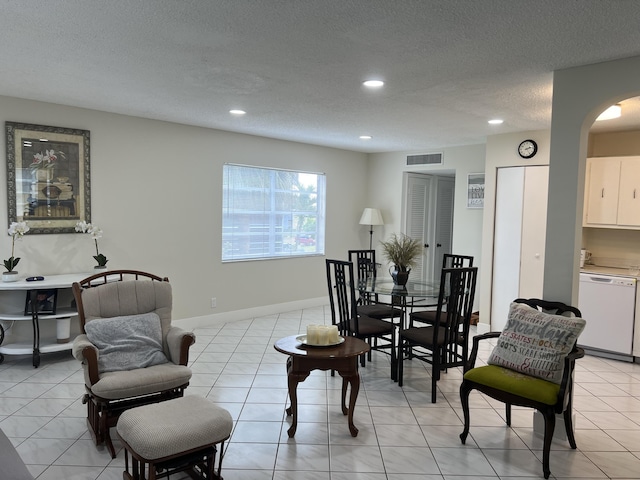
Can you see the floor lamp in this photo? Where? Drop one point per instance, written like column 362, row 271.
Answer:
column 371, row 217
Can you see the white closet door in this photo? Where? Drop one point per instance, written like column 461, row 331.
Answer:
column 418, row 198
column 534, row 229
column 444, row 221
column 506, row 244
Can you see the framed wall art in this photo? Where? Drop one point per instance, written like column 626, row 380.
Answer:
column 48, row 177
column 475, row 190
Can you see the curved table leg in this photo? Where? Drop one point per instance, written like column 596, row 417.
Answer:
column 345, row 410
column 1, row 340
column 293, row 409
column 36, row 327
column 354, row 381
column 293, row 379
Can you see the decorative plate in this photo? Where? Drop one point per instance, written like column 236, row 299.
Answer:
column 303, row 339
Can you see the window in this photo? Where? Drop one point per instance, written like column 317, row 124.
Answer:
column 270, row 213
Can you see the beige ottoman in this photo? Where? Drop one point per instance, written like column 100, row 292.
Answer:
column 174, row 436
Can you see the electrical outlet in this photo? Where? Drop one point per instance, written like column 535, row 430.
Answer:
column 214, row 302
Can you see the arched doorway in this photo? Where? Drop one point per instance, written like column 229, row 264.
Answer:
column 579, row 95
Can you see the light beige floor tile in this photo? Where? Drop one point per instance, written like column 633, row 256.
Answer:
column 402, row 435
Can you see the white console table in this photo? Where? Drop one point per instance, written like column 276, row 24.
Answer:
column 39, row 346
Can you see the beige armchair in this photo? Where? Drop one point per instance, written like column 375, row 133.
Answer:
column 131, row 355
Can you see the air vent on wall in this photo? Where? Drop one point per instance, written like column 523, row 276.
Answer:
column 426, row 159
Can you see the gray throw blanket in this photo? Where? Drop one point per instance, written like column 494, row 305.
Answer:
column 128, row 342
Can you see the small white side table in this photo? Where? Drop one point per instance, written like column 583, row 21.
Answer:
column 62, row 315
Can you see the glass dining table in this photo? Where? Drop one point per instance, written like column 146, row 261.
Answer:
column 413, row 294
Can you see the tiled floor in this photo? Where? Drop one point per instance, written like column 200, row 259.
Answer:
column 402, row 435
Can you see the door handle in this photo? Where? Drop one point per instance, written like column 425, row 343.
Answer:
column 438, row 244
column 426, row 245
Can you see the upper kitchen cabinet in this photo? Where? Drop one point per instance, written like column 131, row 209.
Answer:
column 629, row 194
column 612, row 193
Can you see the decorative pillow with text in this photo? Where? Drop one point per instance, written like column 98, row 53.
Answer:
column 535, row 343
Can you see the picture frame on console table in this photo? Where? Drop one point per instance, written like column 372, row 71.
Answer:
column 48, row 177
column 46, row 302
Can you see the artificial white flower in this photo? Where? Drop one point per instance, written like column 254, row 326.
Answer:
column 16, row 229
column 95, row 233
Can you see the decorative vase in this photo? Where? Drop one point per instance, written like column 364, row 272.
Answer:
column 10, row 276
column 399, row 274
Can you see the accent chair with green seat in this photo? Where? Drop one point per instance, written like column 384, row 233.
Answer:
column 532, row 365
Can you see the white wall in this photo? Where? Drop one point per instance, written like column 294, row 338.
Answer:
column 156, row 193
column 385, row 192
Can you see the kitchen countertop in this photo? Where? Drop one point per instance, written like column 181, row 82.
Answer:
column 616, row 271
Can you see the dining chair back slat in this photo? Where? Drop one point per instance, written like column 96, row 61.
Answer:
column 442, row 343
column 341, row 282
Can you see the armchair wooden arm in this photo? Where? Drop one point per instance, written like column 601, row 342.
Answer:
column 91, row 358
column 474, row 350
column 564, row 397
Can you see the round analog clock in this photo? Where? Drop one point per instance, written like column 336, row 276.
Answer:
column 527, row 148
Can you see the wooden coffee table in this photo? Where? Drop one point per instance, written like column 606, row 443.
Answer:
column 303, row 359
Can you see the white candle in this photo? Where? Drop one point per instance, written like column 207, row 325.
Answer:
column 333, row 334
column 312, row 334
column 323, row 335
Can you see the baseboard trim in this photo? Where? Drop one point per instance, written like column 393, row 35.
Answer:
column 483, row 328
column 236, row 315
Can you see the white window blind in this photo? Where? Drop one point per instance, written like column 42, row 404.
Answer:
column 271, row 213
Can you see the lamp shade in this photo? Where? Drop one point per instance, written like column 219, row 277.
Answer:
column 371, row 216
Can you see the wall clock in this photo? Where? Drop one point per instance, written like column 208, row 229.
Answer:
column 527, row 148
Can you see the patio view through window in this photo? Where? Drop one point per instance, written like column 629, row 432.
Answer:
column 271, row 213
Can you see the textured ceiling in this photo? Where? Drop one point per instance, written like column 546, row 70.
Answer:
column 296, row 66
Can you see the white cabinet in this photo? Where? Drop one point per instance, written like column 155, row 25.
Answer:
column 629, row 192
column 602, row 191
column 612, row 193
column 519, row 238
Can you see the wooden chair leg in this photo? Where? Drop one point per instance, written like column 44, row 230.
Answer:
column 400, row 362
column 568, row 422
column 507, row 407
column 549, row 427
column 568, row 425
column 435, row 373
column 394, row 357
column 464, row 400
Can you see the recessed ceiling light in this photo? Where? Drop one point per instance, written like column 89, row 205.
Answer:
column 373, row 83
column 365, row 137
column 237, row 112
column 496, row 121
column 614, row 111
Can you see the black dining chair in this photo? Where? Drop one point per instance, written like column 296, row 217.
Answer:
column 434, row 342
column 364, row 262
column 379, row 334
column 449, row 260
